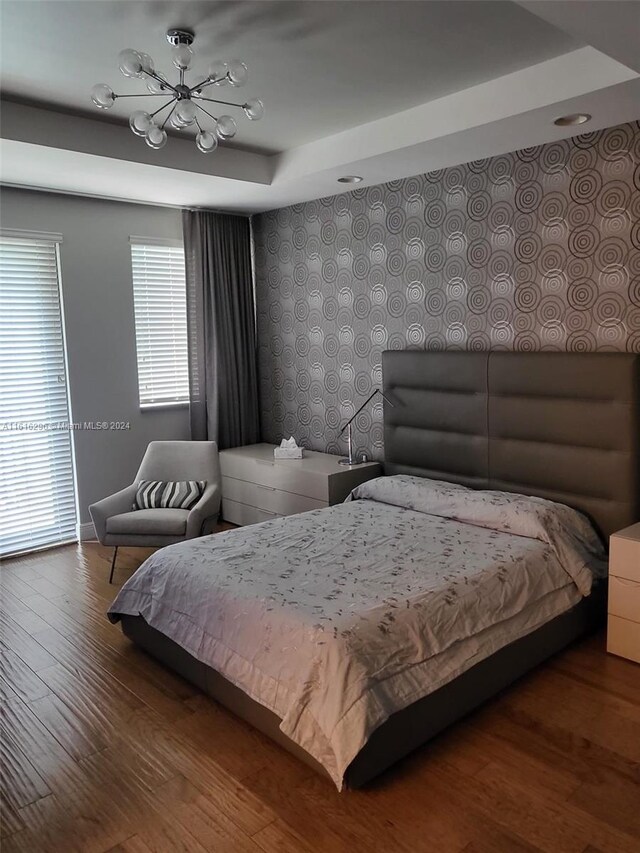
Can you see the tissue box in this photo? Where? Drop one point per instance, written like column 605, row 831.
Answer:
column 287, row 452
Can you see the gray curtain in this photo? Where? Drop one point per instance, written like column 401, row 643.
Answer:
column 221, row 329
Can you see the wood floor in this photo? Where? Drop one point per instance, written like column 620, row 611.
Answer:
column 105, row 750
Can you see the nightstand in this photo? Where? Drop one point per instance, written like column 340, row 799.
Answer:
column 623, row 630
column 257, row 487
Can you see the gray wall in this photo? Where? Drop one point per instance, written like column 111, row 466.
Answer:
column 534, row 250
column 99, row 325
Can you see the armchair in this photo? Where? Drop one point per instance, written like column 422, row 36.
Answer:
column 117, row 523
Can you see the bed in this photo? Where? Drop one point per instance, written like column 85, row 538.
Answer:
column 339, row 597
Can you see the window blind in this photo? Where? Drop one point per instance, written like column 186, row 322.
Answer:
column 159, row 295
column 37, row 489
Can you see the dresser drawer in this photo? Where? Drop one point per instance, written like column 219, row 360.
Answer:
column 624, row 558
column 623, row 638
column 624, row 598
column 241, row 514
column 287, row 476
column 267, row 497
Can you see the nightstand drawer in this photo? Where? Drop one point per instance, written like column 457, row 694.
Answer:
column 624, row 598
column 287, row 476
column 624, row 558
column 623, row 638
column 253, row 482
column 267, row 497
column 242, row 514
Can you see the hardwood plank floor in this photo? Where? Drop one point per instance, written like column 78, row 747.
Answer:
column 105, row 750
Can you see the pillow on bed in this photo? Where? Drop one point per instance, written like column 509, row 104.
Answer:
column 159, row 494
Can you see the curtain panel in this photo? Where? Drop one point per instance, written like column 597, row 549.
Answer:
column 221, row 329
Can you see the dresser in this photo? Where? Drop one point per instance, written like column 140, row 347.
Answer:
column 257, row 487
column 623, row 630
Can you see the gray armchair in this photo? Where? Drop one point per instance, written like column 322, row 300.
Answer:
column 117, row 523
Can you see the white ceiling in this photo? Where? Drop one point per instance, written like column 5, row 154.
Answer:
column 384, row 89
column 320, row 67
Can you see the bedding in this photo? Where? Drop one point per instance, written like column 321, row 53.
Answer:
column 337, row 618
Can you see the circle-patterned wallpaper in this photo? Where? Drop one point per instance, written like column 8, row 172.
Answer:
column 534, row 250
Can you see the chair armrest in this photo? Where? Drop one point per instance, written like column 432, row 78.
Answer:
column 207, row 506
column 121, row 501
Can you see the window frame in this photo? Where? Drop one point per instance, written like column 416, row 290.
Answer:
column 181, row 401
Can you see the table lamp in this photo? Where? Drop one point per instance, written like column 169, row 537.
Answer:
column 350, row 460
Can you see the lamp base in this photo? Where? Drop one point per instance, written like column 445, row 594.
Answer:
column 346, row 461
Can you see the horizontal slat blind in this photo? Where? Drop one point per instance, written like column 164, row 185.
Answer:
column 37, row 494
column 159, row 295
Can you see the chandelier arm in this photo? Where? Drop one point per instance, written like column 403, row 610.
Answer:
column 169, row 114
column 214, row 101
column 143, row 95
column 208, row 82
column 206, row 111
column 164, row 106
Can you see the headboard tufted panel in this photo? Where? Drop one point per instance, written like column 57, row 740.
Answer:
column 564, row 426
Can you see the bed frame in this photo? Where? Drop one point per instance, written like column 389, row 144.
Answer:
column 564, row 426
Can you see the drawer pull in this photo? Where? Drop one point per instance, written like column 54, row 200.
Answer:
column 266, row 488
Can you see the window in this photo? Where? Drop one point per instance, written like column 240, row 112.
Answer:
column 159, row 296
column 37, row 497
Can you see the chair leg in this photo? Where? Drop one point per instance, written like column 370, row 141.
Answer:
column 113, row 563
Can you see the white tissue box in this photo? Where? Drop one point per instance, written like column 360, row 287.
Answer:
column 287, row 452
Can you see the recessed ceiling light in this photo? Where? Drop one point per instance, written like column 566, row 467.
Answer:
column 349, row 179
column 572, row 120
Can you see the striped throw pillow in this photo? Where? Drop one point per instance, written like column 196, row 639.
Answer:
column 158, row 494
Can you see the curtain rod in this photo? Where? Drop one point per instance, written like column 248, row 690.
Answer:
column 215, row 210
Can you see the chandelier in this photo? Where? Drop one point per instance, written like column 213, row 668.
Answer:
column 184, row 107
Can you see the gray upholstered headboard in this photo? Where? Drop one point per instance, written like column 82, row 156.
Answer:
column 563, row 426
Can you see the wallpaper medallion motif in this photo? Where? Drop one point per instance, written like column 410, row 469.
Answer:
column 534, row 250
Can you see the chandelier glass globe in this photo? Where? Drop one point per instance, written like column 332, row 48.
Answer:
column 238, row 73
column 218, row 73
column 156, row 137
column 140, row 122
column 147, row 63
column 130, row 62
column 102, row 96
column 188, row 102
column 185, row 113
column 226, row 128
column 254, row 109
column 206, row 142
column 156, row 87
column 182, row 56
column 175, row 122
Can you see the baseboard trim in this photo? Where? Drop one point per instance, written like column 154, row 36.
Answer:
column 86, row 532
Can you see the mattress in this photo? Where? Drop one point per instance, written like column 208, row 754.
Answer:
column 336, row 619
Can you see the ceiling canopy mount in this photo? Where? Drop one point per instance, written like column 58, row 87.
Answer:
column 176, row 37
